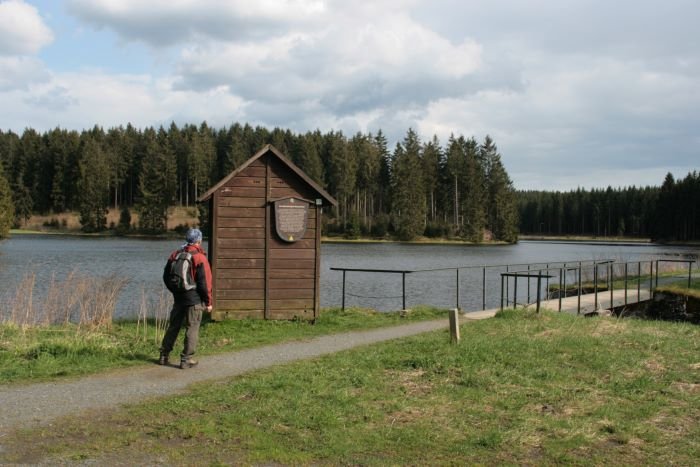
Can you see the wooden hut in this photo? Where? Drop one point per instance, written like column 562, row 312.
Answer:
column 265, row 240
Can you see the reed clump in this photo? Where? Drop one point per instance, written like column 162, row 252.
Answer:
column 85, row 301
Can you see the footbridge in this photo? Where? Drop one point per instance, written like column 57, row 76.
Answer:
column 580, row 287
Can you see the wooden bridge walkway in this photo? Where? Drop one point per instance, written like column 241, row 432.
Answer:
column 588, row 304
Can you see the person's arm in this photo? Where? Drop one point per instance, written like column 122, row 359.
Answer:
column 204, row 281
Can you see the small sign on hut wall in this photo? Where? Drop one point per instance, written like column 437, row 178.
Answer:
column 291, row 216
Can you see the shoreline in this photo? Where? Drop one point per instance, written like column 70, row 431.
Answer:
column 169, row 235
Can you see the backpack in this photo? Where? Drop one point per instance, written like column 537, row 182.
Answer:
column 179, row 277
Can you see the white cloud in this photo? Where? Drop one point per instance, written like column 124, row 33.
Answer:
column 22, row 30
column 84, row 99
column 21, row 72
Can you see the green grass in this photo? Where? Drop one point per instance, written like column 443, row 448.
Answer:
column 518, row 389
column 30, row 354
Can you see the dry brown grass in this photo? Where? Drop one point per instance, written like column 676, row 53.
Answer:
column 178, row 215
column 153, row 311
column 84, row 300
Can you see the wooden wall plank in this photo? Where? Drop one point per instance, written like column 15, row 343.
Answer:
column 240, row 232
column 229, row 304
column 241, row 273
column 247, row 294
column 291, row 304
column 234, row 253
column 245, row 263
column 241, row 222
column 292, row 253
column 290, row 273
column 242, row 284
column 292, row 264
column 291, row 284
column 239, row 243
column 276, row 242
column 279, row 294
column 225, row 211
column 246, row 182
column 234, row 314
column 243, row 191
column 236, row 202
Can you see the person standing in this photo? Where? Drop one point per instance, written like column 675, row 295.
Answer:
column 187, row 275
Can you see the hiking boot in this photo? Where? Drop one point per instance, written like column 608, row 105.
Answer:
column 163, row 360
column 188, row 363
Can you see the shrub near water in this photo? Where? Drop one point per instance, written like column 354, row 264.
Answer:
column 518, row 389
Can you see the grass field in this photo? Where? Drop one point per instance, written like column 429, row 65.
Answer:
column 519, row 389
column 38, row 353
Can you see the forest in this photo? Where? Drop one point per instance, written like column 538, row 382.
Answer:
column 415, row 189
column 667, row 213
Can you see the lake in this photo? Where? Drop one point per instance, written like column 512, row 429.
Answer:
column 142, row 261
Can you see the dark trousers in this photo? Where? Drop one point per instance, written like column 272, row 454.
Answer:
column 189, row 317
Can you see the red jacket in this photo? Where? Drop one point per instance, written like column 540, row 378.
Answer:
column 201, row 272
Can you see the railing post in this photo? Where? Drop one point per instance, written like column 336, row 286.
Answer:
column 639, row 281
column 578, row 308
column 528, row 285
column 651, row 276
column 547, row 286
column 502, row 276
column 343, row 302
column 595, row 286
column 565, row 273
column 483, row 290
column 403, row 290
column 457, row 288
column 515, row 292
column 611, row 273
column 560, row 285
column 626, row 284
column 657, row 273
column 507, row 284
column 539, row 286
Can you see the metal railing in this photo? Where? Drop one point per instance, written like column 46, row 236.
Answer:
column 603, row 274
column 484, row 269
column 609, row 278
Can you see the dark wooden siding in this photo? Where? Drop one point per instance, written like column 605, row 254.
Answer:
column 245, row 279
column 239, row 268
column 292, row 266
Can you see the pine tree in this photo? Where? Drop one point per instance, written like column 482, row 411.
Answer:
column 158, row 182
column 342, row 173
column 432, row 166
column 502, row 214
column 7, row 209
column 473, row 202
column 93, row 187
column 309, row 158
column 408, row 206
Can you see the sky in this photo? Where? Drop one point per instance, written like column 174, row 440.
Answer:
column 575, row 93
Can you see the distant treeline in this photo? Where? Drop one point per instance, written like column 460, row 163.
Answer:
column 418, row 188
column 669, row 213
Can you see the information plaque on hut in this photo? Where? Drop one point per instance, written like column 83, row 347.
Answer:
column 291, row 216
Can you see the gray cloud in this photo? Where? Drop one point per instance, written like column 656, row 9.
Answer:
column 577, row 92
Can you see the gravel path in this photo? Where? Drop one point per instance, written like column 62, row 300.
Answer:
column 39, row 404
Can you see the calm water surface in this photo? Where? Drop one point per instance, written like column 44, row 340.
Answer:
column 142, row 262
